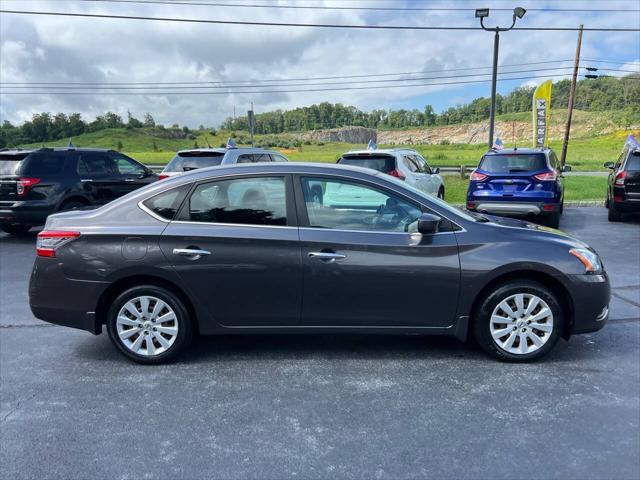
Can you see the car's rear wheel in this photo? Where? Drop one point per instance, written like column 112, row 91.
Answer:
column 519, row 322
column 441, row 193
column 14, row 228
column 553, row 220
column 149, row 324
column 614, row 214
column 70, row 205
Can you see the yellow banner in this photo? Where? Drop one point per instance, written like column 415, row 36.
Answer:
column 541, row 109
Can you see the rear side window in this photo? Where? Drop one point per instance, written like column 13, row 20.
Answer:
column 633, row 164
column 185, row 161
column 10, row 164
column 248, row 201
column 515, row 163
column 166, row 204
column 44, row 163
column 278, row 158
column 381, row 163
column 95, row 163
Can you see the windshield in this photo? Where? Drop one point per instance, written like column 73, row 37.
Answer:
column 513, row 163
column 10, row 164
column 431, row 199
column 381, row 163
column 186, row 161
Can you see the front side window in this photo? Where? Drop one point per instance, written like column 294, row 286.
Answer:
column 278, row 158
column 248, row 201
column 126, row 166
column 347, row 205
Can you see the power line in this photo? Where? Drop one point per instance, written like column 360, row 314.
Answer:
column 352, row 8
column 254, row 92
column 305, row 25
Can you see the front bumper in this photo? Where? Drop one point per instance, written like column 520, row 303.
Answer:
column 590, row 295
column 57, row 299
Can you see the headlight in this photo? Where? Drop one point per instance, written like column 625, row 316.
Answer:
column 589, row 259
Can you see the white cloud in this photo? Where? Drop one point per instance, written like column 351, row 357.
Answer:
column 36, row 48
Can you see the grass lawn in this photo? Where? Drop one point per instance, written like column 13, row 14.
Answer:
column 576, row 188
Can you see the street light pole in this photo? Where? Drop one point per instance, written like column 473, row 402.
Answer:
column 483, row 13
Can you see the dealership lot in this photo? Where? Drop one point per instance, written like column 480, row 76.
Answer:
column 323, row 406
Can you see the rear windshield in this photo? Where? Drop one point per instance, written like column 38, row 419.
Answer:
column 186, row 161
column 633, row 164
column 517, row 162
column 381, row 163
column 10, row 164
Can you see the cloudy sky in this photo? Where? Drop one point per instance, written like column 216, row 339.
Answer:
column 62, row 49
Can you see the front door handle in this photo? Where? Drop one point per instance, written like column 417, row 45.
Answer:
column 85, row 180
column 129, row 179
column 328, row 257
column 191, row 253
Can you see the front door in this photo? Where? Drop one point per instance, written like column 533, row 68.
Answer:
column 235, row 245
column 366, row 265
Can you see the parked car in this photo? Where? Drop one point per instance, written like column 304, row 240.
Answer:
column 404, row 164
column 520, row 182
column 623, row 190
column 186, row 160
column 37, row 183
column 245, row 249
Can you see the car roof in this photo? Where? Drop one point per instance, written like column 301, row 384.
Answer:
column 224, row 150
column 20, row 151
column 516, row 151
column 384, row 151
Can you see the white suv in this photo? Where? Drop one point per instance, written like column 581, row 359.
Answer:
column 407, row 165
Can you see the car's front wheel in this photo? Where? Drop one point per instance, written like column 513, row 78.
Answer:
column 149, row 324
column 520, row 321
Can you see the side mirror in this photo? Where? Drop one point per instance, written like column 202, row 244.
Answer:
column 566, row 168
column 608, row 165
column 428, row 224
column 435, row 171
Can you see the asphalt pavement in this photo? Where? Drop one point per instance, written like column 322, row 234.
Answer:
column 323, row 406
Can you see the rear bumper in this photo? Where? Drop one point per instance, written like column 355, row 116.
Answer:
column 25, row 213
column 628, row 205
column 516, row 208
column 590, row 295
column 57, row 299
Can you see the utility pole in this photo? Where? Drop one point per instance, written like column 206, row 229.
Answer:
column 483, row 13
column 572, row 97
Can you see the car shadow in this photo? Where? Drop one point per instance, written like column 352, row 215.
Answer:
column 28, row 238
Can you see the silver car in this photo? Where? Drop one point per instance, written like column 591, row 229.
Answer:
column 405, row 164
column 186, row 160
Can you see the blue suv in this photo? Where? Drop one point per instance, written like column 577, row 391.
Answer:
column 519, row 182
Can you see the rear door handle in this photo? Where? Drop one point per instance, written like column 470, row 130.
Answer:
column 192, row 253
column 328, row 257
column 129, row 179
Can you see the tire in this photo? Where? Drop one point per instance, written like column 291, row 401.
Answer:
column 441, row 193
column 165, row 347
column 70, row 205
column 14, row 228
column 607, row 201
column 614, row 214
column 552, row 318
column 553, row 220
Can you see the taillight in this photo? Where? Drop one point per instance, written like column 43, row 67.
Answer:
column 546, row 176
column 620, row 178
column 478, row 177
column 396, row 173
column 162, row 176
column 471, row 205
column 50, row 240
column 24, row 184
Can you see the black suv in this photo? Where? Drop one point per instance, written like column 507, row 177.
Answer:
column 623, row 189
column 37, row 183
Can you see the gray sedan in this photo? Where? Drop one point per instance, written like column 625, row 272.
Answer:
column 248, row 248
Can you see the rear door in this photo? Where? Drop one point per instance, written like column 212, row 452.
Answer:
column 432, row 185
column 235, row 245
column 365, row 265
column 98, row 177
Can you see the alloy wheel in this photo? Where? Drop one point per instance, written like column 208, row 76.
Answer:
column 147, row 326
column 521, row 323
